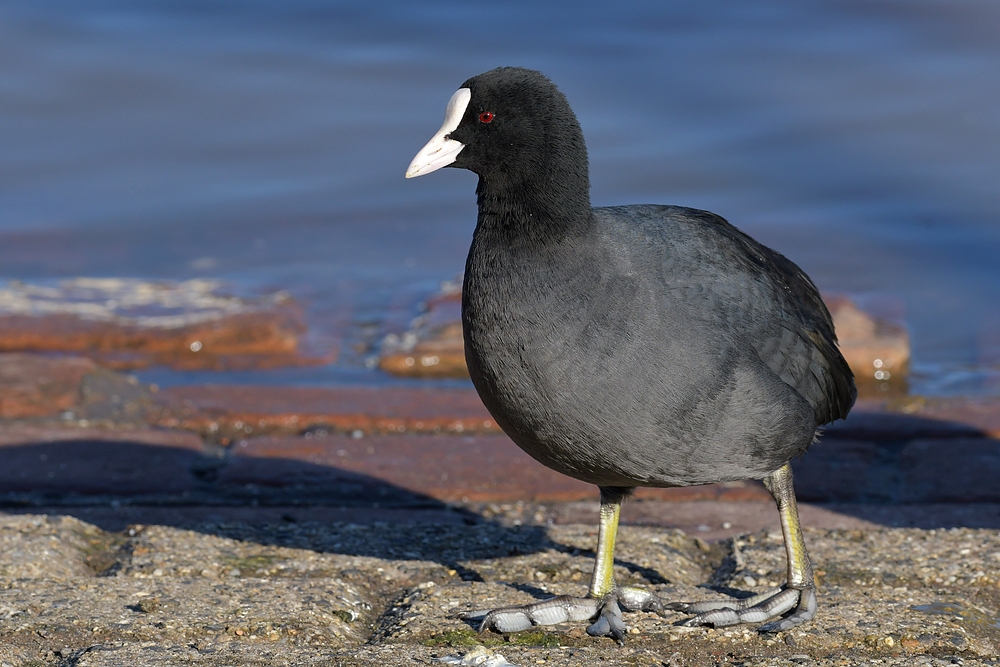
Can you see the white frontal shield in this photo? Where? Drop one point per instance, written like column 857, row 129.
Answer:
column 440, row 151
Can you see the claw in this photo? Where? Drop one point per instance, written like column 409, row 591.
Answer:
column 804, row 612
column 610, row 623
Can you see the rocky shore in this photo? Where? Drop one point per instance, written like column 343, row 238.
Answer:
column 223, row 526
column 337, row 593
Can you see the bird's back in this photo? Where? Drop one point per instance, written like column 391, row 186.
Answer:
column 755, row 291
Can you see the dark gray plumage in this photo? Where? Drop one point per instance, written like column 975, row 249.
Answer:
column 657, row 351
column 631, row 345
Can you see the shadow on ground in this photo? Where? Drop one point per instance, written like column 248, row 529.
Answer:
column 116, row 485
column 888, row 469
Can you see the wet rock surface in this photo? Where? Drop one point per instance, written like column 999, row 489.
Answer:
column 433, row 347
column 876, row 348
column 233, row 412
column 129, row 324
column 35, row 386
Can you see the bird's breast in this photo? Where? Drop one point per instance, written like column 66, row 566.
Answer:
column 549, row 365
column 611, row 380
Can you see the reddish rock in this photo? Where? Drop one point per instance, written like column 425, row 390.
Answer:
column 469, row 468
column 129, row 324
column 238, row 411
column 877, row 350
column 897, row 451
column 36, row 386
column 434, row 346
column 20, row 435
column 842, row 467
column 233, row 412
column 66, row 465
column 44, row 387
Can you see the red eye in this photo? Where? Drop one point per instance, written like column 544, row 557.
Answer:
column 486, row 117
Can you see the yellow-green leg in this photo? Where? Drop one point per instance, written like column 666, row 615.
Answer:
column 799, row 591
column 603, row 580
column 800, row 572
column 604, row 602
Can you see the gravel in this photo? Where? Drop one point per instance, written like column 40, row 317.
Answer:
column 344, row 594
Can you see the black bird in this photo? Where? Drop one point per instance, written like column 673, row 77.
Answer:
column 631, row 346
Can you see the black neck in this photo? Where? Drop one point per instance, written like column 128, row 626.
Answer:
column 551, row 205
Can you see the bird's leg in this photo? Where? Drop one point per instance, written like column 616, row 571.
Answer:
column 610, row 597
column 602, row 581
column 799, row 591
column 603, row 604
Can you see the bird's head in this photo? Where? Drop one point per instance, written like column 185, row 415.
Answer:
column 511, row 126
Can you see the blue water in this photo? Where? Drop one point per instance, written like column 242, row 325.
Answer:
column 264, row 143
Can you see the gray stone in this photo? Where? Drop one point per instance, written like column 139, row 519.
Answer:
column 309, row 594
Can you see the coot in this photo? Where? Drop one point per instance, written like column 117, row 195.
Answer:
column 631, row 346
